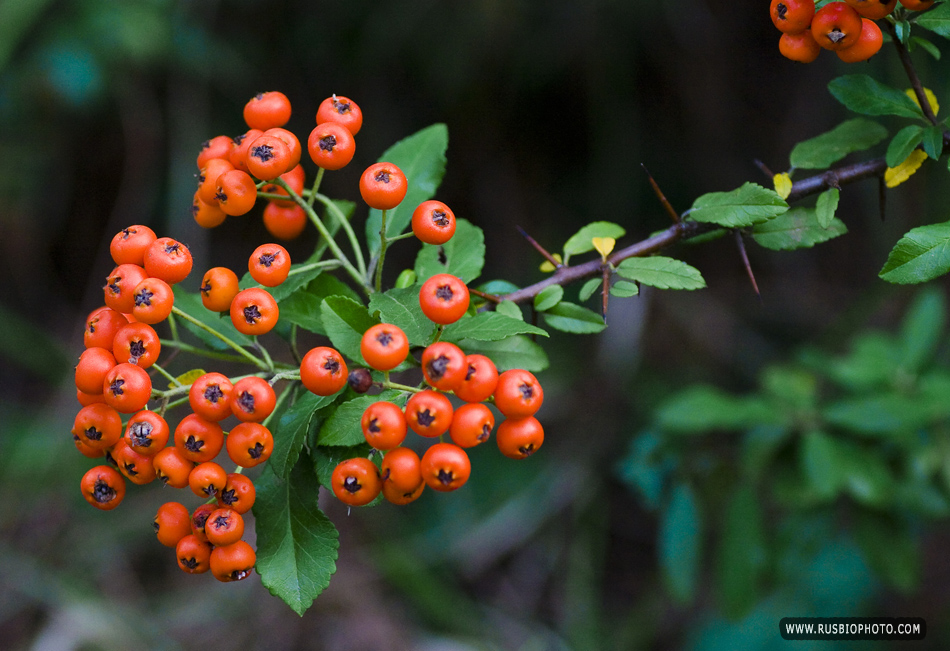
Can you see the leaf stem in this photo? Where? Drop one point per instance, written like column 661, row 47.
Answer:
column 240, row 350
column 168, row 376
column 382, row 252
column 195, row 350
column 345, row 224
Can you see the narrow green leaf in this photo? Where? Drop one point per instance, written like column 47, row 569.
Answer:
column 643, row 468
column 345, row 321
column 745, row 206
column 421, row 157
column 926, row 45
column 296, row 543
column 937, row 20
column 588, row 289
column 661, row 272
column 401, row 308
column 903, row 142
column 293, row 430
column 464, row 254
column 191, row 304
column 886, row 415
column 510, row 309
column 548, row 298
column 570, row 317
column 624, row 289
column 743, row 555
column 825, row 150
column 902, row 30
column 703, row 408
column 932, row 140
column 488, row 326
column 343, row 427
column 514, row 352
column 922, row 329
column 680, row 543
column 826, row 206
column 921, row 255
column 863, row 94
column 580, row 242
column 796, row 229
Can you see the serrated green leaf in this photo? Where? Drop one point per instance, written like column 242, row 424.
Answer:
column 400, row 307
column 548, row 298
column 421, row 157
column 826, row 206
column 903, row 142
column 661, row 272
column 302, row 307
column 581, row 241
column 191, row 304
column 345, row 321
column 796, row 229
column 588, row 289
column 926, row 45
column 922, row 329
column 488, row 326
column 570, row 317
column 624, row 289
column 863, row 94
column 932, row 141
column 343, row 427
column 937, row 20
column 513, row 352
column 745, row 206
column 743, row 556
column 294, row 429
column 464, row 254
column 328, row 457
column 680, row 543
column 703, row 408
column 296, row 543
column 510, row 309
column 825, row 150
column 921, row 255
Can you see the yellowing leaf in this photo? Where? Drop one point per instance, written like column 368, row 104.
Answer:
column 931, row 98
column 186, row 378
column 894, row 176
column 547, row 267
column 604, row 245
column 783, row 184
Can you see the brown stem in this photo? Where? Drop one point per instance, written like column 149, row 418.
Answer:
column 745, row 262
column 484, row 295
column 605, row 292
column 911, row 74
column 663, row 201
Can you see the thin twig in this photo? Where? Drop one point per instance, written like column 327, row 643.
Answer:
column 911, row 74
column 663, row 201
column 605, row 292
column 745, row 261
column 765, row 169
column 484, row 295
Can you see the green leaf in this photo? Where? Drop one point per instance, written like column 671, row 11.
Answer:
column 903, row 142
column 400, row 307
column 827, row 149
column 702, row 408
column 498, row 287
column 826, row 206
column 624, row 289
column 345, row 321
column 488, row 326
column 748, row 205
column 863, row 94
column 191, row 304
column 510, row 309
column 513, row 352
column 792, row 386
column 821, row 465
column 921, row 255
column 296, row 543
column 294, row 429
column 580, row 242
column 548, row 298
column 902, row 30
column 937, row 20
column 680, row 543
column 643, row 469
column 421, row 157
column 889, row 548
column 922, row 329
column 661, row 272
column 328, row 457
column 866, row 475
column 343, row 427
column 570, row 317
column 589, row 288
column 759, row 447
column 796, row 229
column 303, row 306
column 464, row 254
column 743, row 556
column 886, row 415
column 926, row 45
column 872, row 362
column 932, row 141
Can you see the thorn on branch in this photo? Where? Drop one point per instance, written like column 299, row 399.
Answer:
column 765, row 169
column 547, row 256
column 745, row 261
column 663, row 200
column 831, row 180
column 485, row 295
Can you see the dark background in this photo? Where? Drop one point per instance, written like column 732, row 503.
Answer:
column 551, row 108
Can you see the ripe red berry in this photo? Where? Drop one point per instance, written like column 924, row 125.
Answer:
column 383, row 186
column 342, row 110
column 267, row 110
column 356, row 481
column 323, row 371
column 444, row 298
column 445, row 467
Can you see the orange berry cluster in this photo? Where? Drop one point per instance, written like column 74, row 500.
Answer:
column 847, row 28
column 112, row 379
